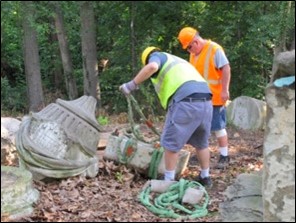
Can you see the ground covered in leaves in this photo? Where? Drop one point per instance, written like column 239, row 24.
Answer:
column 112, row 196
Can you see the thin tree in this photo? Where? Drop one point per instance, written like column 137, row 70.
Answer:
column 65, row 52
column 31, row 58
column 89, row 51
column 56, row 60
column 132, row 35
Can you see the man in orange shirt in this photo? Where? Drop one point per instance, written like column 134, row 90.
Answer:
column 211, row 62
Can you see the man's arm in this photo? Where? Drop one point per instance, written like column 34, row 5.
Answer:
column 143, row 75
column 226, row 76
column 146, row 72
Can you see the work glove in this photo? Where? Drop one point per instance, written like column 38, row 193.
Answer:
column 128, row 87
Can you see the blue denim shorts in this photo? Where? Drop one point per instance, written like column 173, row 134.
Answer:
column 219, row 118
column 187, row 123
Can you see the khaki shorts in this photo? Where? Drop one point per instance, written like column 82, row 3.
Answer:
column 187, row 123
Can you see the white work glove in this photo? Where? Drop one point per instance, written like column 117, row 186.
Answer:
column 128, row 87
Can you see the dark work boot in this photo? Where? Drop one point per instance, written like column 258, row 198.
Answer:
column 223, row 162
column 206, row 182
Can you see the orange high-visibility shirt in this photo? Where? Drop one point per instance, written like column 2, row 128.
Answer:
column 205, row 64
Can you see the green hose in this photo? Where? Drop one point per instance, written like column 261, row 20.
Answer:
column 169, row 204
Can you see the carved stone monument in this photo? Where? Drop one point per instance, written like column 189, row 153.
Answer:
column 61, row 140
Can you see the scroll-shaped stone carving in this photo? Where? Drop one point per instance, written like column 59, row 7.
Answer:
column 61, row 140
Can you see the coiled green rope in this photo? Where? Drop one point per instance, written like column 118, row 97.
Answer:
column 169, row 205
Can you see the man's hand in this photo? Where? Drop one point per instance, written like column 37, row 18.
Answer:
column 128, row 87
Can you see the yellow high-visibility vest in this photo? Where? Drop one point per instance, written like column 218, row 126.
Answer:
column 171, row 76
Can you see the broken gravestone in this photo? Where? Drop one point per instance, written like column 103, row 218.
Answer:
column 61, row 140
column 247, row 113
column 17, row 192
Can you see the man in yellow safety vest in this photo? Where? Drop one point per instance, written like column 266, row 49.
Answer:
column 185, row 94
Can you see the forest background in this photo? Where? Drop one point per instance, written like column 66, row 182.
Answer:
column 66, row 49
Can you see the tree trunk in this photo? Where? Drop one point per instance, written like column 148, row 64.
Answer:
column 65, row 53
column 89, row 51
column 56, row 63
column 31, row 59
column 133, row 38
column 293, row 44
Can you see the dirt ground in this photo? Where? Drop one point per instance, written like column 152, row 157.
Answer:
column 112, row 196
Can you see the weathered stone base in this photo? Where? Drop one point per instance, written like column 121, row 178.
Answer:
column 143, row 155
column 17, row 193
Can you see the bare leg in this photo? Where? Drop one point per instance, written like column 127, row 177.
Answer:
column 223, row 141
column 170, row 159
column 203, row 156
column 223, row 148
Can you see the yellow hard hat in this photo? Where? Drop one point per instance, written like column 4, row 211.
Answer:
column 186, row 36
column 147, row 52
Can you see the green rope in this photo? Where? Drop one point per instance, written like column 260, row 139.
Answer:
column 134, row 128
column 132, row 101
column 157, row 153
column 154, row 163
column 169, row 205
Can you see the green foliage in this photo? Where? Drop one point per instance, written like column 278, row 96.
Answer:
column 248, row 31
column 110, row 81
column 78, row 74
column 119, row 177
column 13, row 98
column 11, row 39
column 148, row 100
column 103, row 120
